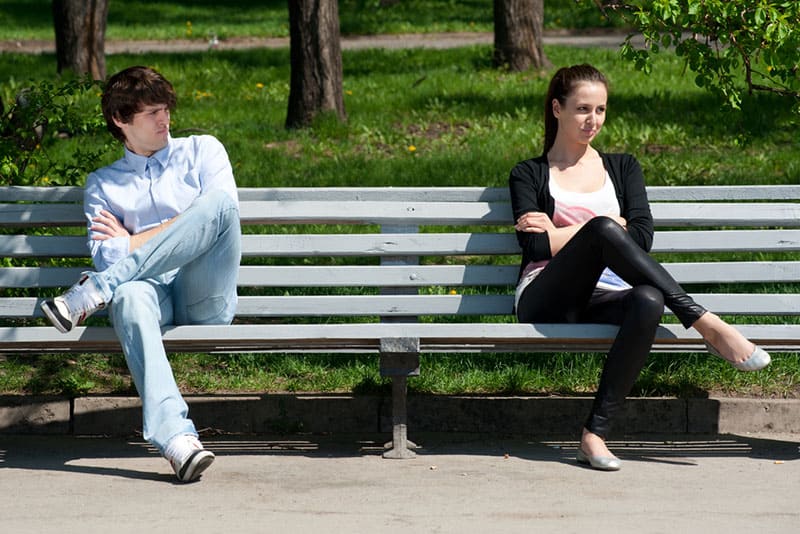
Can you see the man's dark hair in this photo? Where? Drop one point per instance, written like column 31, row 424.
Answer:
column 129, row 90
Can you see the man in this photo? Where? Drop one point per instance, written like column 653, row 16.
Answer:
column 163, row 224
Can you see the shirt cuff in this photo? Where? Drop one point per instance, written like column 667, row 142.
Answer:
column 111, row 251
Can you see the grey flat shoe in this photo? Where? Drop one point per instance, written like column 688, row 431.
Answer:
column 757, row 360
column 601, row 463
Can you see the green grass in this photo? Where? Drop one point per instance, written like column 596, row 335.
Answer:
column 198, row 19
column 468, row 124
column 678, row 375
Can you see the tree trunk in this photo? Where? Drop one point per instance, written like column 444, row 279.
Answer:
column 316, row 61
column 518, row 30
column 80, row 36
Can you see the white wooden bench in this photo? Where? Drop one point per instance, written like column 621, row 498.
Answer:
column 399, row 271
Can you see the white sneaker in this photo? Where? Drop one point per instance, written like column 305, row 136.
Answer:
column 73, row 307
column 187, row 457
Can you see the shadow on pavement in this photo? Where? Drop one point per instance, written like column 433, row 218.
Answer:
column 69, row 453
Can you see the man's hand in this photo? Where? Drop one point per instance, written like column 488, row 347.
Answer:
column 107, row 226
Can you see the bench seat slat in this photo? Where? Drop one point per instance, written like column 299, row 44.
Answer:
column 441, row 244
column 726, row 214
column 412, row 244
column 392, row 244
column 416, row 275
column 442, row 194
column 727, row 241
column 372, row 212
column 365, row 337
column 424, row 213
column 430, row 305
column 473, row 305
column 378, row 276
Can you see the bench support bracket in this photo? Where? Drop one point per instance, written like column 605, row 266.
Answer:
column 399, row 360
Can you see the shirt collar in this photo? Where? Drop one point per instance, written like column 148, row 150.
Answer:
column 139, row 163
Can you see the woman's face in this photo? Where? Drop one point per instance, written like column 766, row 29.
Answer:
column 581, row 117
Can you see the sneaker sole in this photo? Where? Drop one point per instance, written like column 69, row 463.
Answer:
column 54, row 317
column 194, row 466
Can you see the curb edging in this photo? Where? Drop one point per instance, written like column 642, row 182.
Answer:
column 339, row 413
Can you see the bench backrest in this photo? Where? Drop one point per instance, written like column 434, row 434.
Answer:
column 407, row 253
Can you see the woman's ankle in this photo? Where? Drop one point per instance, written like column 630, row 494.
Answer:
column 724, row 338
column 593, row 445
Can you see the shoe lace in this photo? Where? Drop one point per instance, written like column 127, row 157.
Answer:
column 82, row 298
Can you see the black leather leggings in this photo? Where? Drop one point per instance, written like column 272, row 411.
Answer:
column 565, row 292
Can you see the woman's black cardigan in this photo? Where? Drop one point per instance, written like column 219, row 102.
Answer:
column 529, row 192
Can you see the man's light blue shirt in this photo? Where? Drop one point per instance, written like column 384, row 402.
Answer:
column 144, row 192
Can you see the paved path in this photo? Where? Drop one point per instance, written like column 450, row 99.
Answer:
column 457, row 484
column 436, row 40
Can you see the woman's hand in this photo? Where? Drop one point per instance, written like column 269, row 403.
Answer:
column 534, row 221
column 107, row 226
column 621, row 220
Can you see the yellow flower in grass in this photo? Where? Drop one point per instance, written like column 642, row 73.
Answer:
column 260, row 85
column 412, row 148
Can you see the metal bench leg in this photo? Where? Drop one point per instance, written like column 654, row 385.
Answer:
column 400, row 359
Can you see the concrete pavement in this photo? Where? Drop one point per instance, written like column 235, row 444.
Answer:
column 312, row 463
column 457, row 484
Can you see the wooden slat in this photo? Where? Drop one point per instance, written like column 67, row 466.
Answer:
column 393, row 194
column 327, row 306
column 370, row 212
column 15, row 193
column 50, row 214
column 726, row 214
column 429, row 305
column 365, row 337
column 501, row 194
column 439, row 194
column 413, row 244
column 37, row 246
column 491, row 275
column 39, row 277
column 735, row 272
column 727, row 241
column 698, row 193
column 355, row 276
column 470, row 305
column 319, row 245
column 450, row 244
column 424, row 213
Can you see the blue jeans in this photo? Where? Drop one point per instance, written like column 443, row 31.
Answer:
column 186, row 274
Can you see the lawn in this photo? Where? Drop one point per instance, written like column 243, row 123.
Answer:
column 199, row 19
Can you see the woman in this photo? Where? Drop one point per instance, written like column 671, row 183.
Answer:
column 584, row 224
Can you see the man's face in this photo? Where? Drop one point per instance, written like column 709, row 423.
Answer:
column 148, row 130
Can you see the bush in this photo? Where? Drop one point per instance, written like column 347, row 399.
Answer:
column 734, row 47
column 43, row 118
